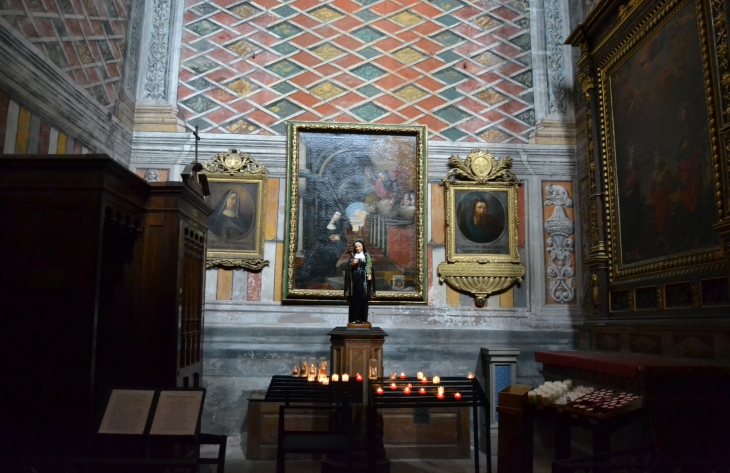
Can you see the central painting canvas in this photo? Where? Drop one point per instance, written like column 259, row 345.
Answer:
column 349, row 182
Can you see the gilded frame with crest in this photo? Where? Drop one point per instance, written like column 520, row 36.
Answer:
column 238, row 187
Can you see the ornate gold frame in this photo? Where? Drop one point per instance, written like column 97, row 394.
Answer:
column 481, row 274
column 235, row 167
column 295, row 147
column 692, row 261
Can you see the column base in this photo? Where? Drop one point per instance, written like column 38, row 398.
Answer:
column 157, row 118
column 553, row 132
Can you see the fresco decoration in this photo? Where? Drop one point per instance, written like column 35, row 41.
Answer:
column 348, row 182
column 661, row 184
column 238, row 187
column 86, row 40
column 462, row 68
column 482, row 256
column 559, row 226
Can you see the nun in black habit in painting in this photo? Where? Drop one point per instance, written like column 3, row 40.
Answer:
column 227, row 221
column 359, row 283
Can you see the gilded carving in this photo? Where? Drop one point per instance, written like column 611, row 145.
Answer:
column 481, row 226
column 238, row 185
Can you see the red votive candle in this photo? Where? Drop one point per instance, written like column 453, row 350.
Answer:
column 402, row 376
column 440, row 396
column 379, row 391
column 422, row 391
column 424, row 380
column 358, row 377
column 409, row 386
column 457, row 396
column 393, row 386
column 407, row 391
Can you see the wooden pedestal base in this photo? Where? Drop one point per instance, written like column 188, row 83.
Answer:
column 352, row 348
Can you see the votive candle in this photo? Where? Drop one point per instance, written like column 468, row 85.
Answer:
column 402, row 376
column 379, row 391
column 470, row 375
column 326, row 381
column 436, row 379
column 335, row 378
column 419, row 375
column 407, row 390
column 422, row 391
column 457, row 396
column 345, row 378
column 393, row 386
column 424, row 380
column 358, row 377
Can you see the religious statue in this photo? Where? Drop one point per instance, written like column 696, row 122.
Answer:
column 359, row 283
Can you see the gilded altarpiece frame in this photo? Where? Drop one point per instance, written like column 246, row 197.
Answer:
column 238, row 185
column 355, row 181
column 659, row 127
column 482, row 255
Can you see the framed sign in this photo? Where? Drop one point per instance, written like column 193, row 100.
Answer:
column 238, row 199
column 349, row 182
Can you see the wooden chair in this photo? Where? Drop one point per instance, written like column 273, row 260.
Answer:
column 336, row 439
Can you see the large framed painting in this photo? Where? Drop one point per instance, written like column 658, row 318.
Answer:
column 661, row 144
column 349, row 182
column 238, row 198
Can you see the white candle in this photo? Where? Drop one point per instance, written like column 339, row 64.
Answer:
column 436, row 379
column 470, row 375
column 326, row 381
column 345, row 378
column 419, row 375
column 335, row 378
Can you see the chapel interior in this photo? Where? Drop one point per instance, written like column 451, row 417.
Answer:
column 123, row 123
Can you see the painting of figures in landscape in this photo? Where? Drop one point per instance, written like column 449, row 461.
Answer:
column 662, row 145
column 355, row 182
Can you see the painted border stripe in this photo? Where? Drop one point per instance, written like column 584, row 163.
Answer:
column 11, row 128
column 21, row 139
column 61, row 147
column 53, row 141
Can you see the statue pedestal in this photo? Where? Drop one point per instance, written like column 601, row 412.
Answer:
column 352, row 348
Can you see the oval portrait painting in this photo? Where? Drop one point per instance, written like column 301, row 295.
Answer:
column 233, row 217
column 481, row 217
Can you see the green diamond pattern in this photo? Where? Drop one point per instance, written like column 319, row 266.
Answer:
column 450, row 56
column 201, row 65
column 528, row 97
column 366, row 15
column 453, row 134
column 369, row 90
column 369, row 52
column 368, row 72
column 285, row 30
column 369, row 112
column 368, row 2
column 199, row 84
column 527, row 116
column 285, row 48
column 447, row 5
column 522, row 41
column 524, row 78
column 451, row 94
column 283, row 87
column 203, row 27
column 448, row 20
column 451, row 114
column 450, row 76
column 447, row 38
column 199, row 104
column 284, row 108
column 285, row 11
column 367, row 34
column 523, row 23
column 202, row 45
column 203, row 9
column 284, row 68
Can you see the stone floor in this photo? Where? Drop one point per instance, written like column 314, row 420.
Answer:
column 236, row 462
